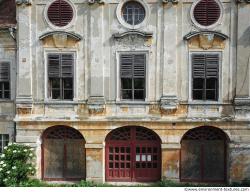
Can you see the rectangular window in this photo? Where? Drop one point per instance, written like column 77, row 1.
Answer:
column 205, row 73
column 4, row 140
column 60, row 74
column 132, row 74
column 4, row 80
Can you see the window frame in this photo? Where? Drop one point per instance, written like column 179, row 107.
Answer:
column 51, row 25
column 2, row 141
column 195, row 23
column 9, row 81
column 118, row 84
column 219, row 90
column 74, row 78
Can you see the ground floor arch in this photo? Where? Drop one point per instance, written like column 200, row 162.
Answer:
column 204, row 155
column 132, row 153
column 63, row 154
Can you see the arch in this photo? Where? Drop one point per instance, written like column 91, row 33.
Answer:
column 63, row 154
column 132, row 153
column 203, row 156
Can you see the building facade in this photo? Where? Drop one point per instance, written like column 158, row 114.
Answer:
column 129, row 90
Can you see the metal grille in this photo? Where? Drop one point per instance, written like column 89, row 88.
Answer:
column 133, row 12
column 4, row 80
column 60, row 13
column 62, row 132
column 207, row 12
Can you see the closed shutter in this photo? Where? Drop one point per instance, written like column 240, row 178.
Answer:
column 60, row 13
column 54, row 65
column 207, row 12
column 4, row 71
column 139, row 66
column 205, row 65
column 67, row 65
column 126, row 66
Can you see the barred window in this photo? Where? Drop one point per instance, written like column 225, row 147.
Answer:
column 4, row 80
column 205, row 73
column 60, row 73
column 4, row 140
column 133, row 12
column 132, row 73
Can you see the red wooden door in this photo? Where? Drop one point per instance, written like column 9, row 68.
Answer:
column 63, row 154
column 133, row 154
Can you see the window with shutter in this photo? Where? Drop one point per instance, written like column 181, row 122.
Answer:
column 206, row 12
column 132, row 74
column 205, row 74
column 60, row 73
column 4, row 80
column 60, row 13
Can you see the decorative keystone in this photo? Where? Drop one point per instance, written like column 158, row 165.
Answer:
column 96, row 1
column 170, row 1
column 25, row 2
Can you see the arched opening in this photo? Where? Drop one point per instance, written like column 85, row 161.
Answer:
column 203, row 155
column 63, row 154
column 133, row 154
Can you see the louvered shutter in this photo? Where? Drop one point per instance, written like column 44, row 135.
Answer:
column 212, row 65
column 139, row 66
column 198, row 62
column 60, row 13
column 67, row 65
column 4, row 71
column 207, row 12
column 54, row 65
column 126, row 66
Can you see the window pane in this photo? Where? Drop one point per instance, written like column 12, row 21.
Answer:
column 55, row 83
column 139, row 83
column 126, row 94
column 126, row 83
column 68, row 83
column 6, row 94
column 139, row 94
column 6, row 86
column 68, row 94
column 211, row 83
column 197, row 94
column 198, row 83
column 55, row 94
column 211, row 95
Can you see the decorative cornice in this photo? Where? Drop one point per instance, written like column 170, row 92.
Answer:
column 72, row 35
column 196, row 33
column 25, row 2
column 91, row 2
column 133, row 32
column 170, row 1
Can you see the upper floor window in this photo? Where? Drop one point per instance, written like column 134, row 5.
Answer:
column 4, row 140
column 60, row 13
column 206, row 13
column 60, row 76
column 205, row 74
column 132, row 74
column 133, row 12
column 4, row 80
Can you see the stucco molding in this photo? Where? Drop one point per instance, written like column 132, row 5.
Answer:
column 91, row 2
column 168, row 103
column 72, row 35
column 170, row 1
column 96, row 105
column 133, row 32
column 25, row 2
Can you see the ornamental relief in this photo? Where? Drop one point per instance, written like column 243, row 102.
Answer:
column 133, row 41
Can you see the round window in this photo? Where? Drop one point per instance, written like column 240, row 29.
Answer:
column 60, row 13
column 133, row 12
column 206, row 12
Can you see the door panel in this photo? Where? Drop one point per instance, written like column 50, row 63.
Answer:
column 53, row 158
column 191, row 160
column 75, row 159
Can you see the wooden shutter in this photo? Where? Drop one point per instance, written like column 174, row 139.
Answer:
column 205, row 65
column 207, row 12
column 139, row 66
column 67, row 65
column 212, row 65
column 126, row 66
column 4, row 71
column 54, row 65
column 60, row 13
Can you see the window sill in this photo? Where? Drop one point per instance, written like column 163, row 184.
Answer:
column 199, row 102
column 60, row 102
column 131, row 102
column 6, row 101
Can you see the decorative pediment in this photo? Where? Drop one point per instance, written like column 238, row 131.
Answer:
column 206, row 40
column 60, row 39
column 133, row 33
